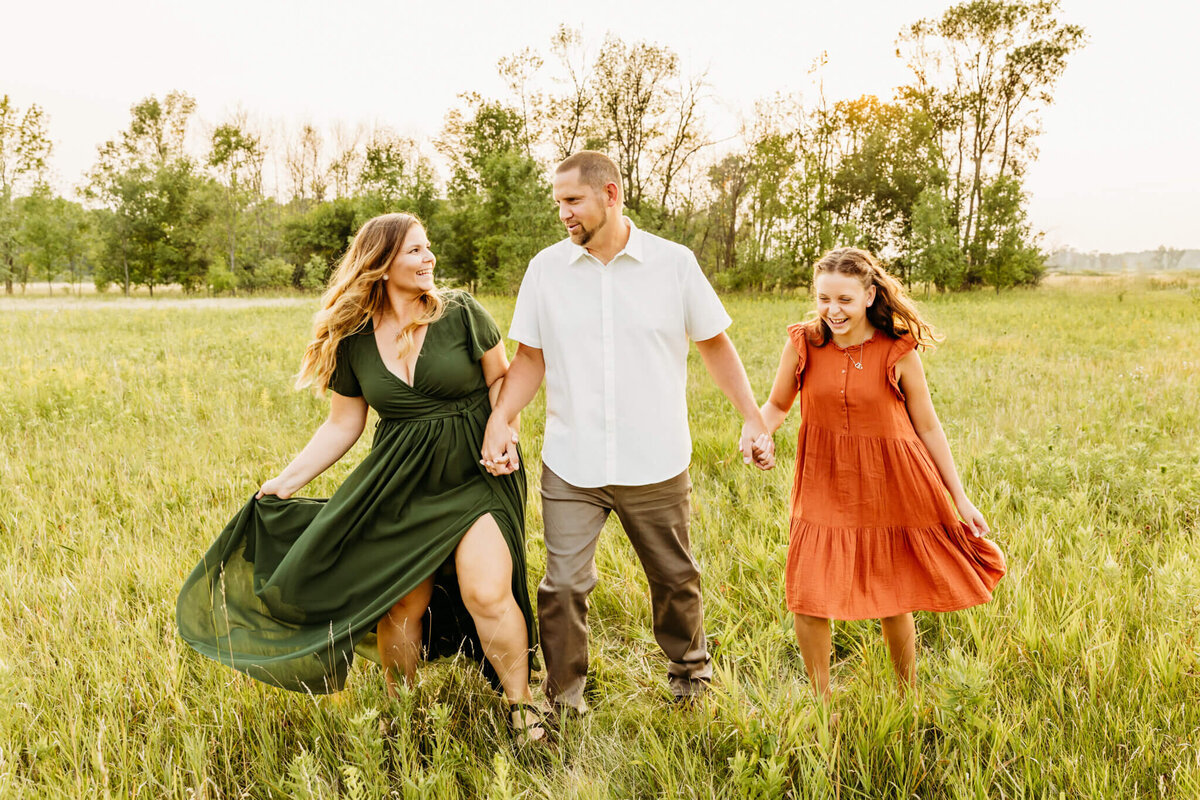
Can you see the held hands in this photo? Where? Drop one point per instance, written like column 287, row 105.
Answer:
column 970, row 515
column 757, row 446
column 499, row 452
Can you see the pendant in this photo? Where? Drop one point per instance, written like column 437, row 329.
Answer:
column 857, row 364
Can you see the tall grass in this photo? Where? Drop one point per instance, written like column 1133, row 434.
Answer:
column 128, row 436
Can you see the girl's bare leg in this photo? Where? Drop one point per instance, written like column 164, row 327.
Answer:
column 900, row 633
column 814, row 637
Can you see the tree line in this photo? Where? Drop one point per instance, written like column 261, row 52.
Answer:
column 930, row 179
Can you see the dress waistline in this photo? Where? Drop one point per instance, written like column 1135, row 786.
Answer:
column 450, row 408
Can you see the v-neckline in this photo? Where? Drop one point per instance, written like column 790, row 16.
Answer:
column 416, row 361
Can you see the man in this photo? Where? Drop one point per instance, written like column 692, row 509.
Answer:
column 606, row 316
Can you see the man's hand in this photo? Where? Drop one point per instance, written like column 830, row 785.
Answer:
column 499, row 452
column 756, row 445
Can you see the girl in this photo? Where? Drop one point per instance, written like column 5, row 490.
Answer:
column 874, row 533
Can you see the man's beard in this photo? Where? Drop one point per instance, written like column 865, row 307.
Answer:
column 586, row 235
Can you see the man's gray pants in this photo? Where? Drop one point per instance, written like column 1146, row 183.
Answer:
column 655, row 518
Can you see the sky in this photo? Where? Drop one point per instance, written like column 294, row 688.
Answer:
column 1118, row 166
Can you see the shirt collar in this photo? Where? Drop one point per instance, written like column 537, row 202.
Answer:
column 634, row 248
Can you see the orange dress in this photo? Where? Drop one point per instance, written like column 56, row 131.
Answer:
column 873, row 530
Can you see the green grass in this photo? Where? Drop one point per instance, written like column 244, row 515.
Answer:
column 128, row 436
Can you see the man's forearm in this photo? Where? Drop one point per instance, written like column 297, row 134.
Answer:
column 723, row 364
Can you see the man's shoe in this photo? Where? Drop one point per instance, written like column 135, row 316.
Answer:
column 686, row 692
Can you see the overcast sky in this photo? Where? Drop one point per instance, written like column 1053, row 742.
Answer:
column 1118, row 167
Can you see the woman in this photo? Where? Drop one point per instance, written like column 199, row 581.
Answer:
column 419, row 532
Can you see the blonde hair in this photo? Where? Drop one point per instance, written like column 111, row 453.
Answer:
column 892, row 311
column 356, row 294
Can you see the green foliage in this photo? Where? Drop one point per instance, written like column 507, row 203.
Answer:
column 219, row 278
column 933, row 253
column 498, row 212
column 324, row 232
column 316, row 274
column 1001, row 248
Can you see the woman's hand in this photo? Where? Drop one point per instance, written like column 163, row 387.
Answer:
column 970, row 515
column 499, row 452
column 278, row 487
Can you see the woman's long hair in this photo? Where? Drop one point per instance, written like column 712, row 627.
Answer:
column 892, row 311
column 357, row 293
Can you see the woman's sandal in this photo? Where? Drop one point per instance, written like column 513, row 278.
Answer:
column 526, row 721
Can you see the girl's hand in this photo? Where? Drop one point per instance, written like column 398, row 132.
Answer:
column 970, row 515
column 277, row 487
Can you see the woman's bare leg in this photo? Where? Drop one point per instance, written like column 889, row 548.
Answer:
column 399, row 635
column 814, row 637
column 900, row 633
column 484, row 568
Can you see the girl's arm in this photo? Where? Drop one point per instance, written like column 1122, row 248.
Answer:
column 783, row 391
column 911, row 375
column 337, row 434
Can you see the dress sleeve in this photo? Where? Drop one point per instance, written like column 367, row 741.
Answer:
column 900, row 348
column 798, row 336
column 482, row 333
column 343, row 380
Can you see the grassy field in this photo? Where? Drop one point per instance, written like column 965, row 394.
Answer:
column 129, row 435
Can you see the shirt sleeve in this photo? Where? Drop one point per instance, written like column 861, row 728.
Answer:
column 525, row 327
column 343, row 380
column 482, row 333
column 704, row 316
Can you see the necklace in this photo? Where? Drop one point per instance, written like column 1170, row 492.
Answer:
column 857, row 364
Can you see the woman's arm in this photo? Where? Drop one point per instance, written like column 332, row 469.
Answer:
column 495, row 368
column 911, row 375
column 783, row 391
column 337, row 434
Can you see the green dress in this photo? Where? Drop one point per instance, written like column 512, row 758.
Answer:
column 291, row 587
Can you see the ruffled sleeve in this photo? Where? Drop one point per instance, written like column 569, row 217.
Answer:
column 798, row 336
column 900, row 348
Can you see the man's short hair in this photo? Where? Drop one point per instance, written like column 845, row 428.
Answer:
column 595, row 169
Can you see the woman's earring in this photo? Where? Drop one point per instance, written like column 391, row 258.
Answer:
column 385, row 277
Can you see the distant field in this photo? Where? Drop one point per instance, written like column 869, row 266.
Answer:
column 130, row 433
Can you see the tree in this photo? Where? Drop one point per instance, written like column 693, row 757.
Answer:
column 395, row 176
column 324, row 233
column 155, row 232
column 982, row 71
column 933, row 253
column 1168, row 258
column 650, row 116
column 304, row 166
column 236, row 155
column 498, row 210
column 25, row 149
column 568, row 115
column 1003, row 247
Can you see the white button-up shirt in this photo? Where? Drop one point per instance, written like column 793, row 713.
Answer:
column 615, row 340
